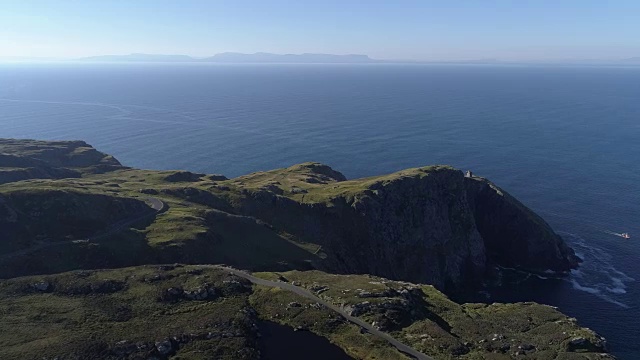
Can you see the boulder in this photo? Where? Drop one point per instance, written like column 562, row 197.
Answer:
column 42, row 286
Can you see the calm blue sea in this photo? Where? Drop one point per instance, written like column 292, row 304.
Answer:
column 564, row 140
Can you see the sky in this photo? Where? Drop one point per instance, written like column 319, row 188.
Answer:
column 390, row 29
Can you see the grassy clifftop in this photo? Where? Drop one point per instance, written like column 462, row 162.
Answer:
column 33, row 159
column 83, row 210
column 424, row 224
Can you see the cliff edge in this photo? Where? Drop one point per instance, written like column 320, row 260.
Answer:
column 429, row 224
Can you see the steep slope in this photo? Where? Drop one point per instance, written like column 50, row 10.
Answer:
column 60, row 214
column 428, row 225
column 33, row 159
column 514, row 235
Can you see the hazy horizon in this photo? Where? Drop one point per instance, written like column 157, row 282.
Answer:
column 214, row 58
column 416, row 31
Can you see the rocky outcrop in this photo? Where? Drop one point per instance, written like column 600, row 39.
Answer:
column 70, row 154
column 32, row 159
column 183, row 176
column 429, row 225
column 514, row 235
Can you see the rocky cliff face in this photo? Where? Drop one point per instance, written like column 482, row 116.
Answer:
column 429, row 225
column 514, row 235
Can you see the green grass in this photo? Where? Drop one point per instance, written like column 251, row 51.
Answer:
column 272, row 305
column 437, row 326
column 37, row 325
column 205, row 222
column 74, row 321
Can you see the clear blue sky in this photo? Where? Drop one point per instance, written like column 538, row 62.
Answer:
column 391, row 29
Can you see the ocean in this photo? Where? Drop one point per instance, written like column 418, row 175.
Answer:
column 563, row 140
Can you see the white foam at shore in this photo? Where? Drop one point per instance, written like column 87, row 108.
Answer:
column 597, row 275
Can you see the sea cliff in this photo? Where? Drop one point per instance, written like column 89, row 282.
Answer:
column 384, row 249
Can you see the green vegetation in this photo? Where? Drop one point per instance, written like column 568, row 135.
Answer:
column 65, row 206
column 202, row 312
column 424, row 318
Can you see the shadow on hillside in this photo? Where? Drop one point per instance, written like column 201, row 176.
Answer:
column 126, row 248
column 234, row 240
column 242, row 242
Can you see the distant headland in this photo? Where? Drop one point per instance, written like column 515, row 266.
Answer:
column 232, row 57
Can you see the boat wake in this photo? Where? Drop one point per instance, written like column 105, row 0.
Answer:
column 596, row 274
column 622, row 235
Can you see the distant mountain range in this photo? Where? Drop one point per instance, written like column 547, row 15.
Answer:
column 310, row 58
column 230, row 57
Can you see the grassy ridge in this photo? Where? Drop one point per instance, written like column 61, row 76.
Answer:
column 276, row 221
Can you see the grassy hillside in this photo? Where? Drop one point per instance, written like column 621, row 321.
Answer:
column 71, row 207
column 199, row 312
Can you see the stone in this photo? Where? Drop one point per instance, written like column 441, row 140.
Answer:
column 164, row 347
column 526, row 347
column 578, row 341
column 217, row 177
column 42, row 286
column 318, row 289
column 297, row 190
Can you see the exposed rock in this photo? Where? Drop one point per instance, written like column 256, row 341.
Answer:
column 274, row 188
column 596, row 343
column 357, row 309
column 165, row 347
column 235, row 286
column 149, row 191
column 42, row 286
column 318, row 289
column 513, row 234
column 526, row 347
column 183, row 176
column 204, row 292
column 33, row 159
column 425, row 225
column 297, row 190
column 217, row 177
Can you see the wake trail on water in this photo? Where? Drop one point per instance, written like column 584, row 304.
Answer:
column 612, row 233
column 597, row 275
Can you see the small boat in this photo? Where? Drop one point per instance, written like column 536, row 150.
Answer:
column 625, row 235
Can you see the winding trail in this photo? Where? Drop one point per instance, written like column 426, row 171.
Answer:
column 155, row 204
column 407, row 350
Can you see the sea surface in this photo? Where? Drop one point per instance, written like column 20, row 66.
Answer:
column 564, row 140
